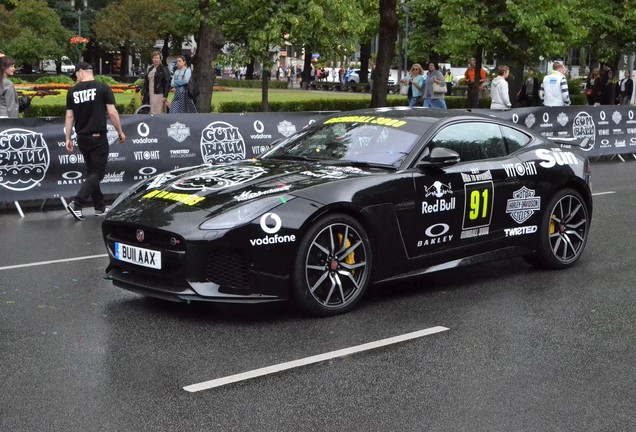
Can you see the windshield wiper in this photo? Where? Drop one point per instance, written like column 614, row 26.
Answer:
column 360, row 164
column 291, row 158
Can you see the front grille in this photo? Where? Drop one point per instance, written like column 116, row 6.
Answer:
column 228, row 269
column 152, row 237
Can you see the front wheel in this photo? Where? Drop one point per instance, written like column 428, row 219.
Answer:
column 563, row 231
column 333, row 266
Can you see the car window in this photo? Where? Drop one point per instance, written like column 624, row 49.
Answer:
column 354, row 142
column 514, row 139
column 471, row 140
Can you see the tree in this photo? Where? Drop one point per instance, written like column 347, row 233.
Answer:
column 388, row 35
column 515, row 33
column 261, row 35
column 326, row 27
column 133, row 26
column 32, row 32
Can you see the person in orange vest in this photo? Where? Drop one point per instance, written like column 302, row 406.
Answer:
column 474, row 84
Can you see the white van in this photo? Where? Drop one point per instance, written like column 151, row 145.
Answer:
column 49, row 66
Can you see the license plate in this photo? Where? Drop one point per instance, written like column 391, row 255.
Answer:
column 137, row 255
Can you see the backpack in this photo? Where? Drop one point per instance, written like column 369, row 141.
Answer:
column 192, row 89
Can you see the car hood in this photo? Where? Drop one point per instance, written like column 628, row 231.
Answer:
column 218, row 188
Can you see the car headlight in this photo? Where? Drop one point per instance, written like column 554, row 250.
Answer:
column 245, row 213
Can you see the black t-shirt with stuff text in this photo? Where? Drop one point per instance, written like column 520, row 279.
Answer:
column 88, row 100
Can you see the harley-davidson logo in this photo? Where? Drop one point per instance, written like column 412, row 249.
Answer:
column 523, row 204
column 286, row 128
column 178, row 132
column 140, row 235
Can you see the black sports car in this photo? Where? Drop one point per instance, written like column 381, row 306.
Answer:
column 360, row 197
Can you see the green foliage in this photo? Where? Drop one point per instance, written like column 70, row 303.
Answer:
column 250, row 83
column 106, row 80
column 32, row 32
column 58, row 110
column 55, row 79
column 17, row 80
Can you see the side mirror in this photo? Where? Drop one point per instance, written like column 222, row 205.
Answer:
column 439, row 157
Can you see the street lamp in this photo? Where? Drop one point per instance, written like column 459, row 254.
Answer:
column 407, row 11
column 79, row 11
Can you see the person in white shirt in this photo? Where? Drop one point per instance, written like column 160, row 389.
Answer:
column 554, row 88
column 500, row 99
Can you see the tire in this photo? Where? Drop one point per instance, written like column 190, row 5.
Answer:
column 333, row 267
column 563, row 232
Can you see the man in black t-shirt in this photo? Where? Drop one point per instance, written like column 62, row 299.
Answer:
column 87, row 104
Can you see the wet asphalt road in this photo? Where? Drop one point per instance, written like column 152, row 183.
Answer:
column 526, row 350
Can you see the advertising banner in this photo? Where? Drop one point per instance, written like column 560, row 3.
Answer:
column 34, row 163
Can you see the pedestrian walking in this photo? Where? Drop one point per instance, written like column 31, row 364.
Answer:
column 156, row 85
column 474, row 82
column 414, row 80
column 626, row 88
column 87, row 104
column 9, row 107
column 181, row 102
column 500, row 93
column 435, row 88
column 554, row 88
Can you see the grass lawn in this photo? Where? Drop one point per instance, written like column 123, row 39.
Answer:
column 232, row 94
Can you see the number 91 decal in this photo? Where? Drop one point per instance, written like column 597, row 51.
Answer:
column 478, row 204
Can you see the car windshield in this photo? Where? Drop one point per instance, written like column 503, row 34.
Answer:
column 354, row 143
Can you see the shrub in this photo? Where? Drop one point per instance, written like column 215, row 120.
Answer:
column 250, row 83
column 55, row 79
column 56, row 110
column 106, row 80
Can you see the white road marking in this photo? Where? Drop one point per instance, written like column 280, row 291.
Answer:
column 17, row 266
column 603, row 193
column 206, row 385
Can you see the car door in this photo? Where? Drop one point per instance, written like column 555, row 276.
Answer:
column 460, row 205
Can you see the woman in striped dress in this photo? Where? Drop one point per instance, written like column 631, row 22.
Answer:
column 181, row 103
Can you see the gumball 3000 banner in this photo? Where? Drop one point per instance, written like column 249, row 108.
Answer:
column 34, row 163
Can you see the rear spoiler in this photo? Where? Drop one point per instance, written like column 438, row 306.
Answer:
column 568, row 142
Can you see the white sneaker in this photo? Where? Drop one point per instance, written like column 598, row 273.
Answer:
column 103, row 212
column 75, row 211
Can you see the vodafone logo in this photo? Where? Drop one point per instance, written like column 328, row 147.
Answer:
column 275, row 220
column 271, row 224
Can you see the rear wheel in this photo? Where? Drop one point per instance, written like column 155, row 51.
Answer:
column 563, row 232
column 333, row 266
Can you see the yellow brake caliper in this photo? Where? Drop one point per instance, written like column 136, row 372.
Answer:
column 351, row 258
column 553, row 225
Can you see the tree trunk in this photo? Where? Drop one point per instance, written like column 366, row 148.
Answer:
column 265, row 87
column 388, row 35
column 210, row 42
column 249, row 70
column 305, row 77
column 125, row 67
column 515, row 81
column 165, row 51
column 365, row 55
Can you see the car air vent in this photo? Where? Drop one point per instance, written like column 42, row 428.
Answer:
column 228, row 269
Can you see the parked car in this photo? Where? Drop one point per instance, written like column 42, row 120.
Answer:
column 361, row 197
column 50, row 66
column 354, row 77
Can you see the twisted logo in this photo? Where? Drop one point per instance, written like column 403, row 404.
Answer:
column 24, row 159
column 221, row 142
